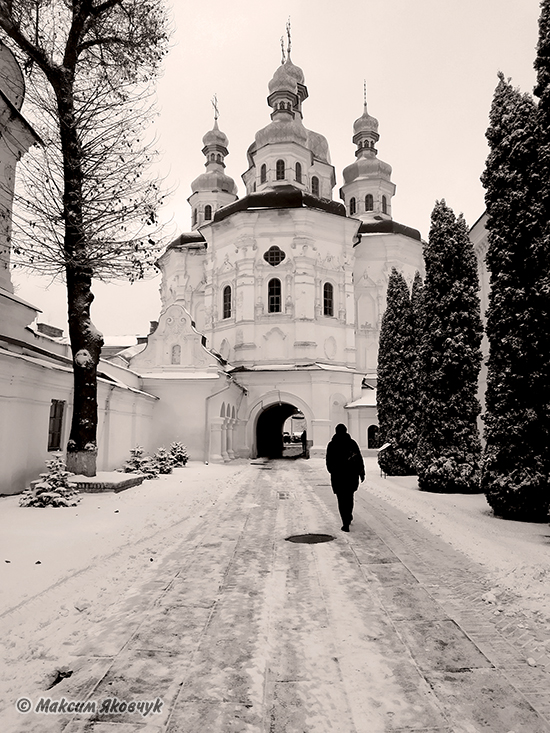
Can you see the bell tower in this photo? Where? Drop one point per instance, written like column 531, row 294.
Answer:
column 368, row 189
column 213, row 188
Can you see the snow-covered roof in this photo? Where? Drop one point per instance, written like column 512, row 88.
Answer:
column 180, row 375
column 294, row 368
column 367, row 399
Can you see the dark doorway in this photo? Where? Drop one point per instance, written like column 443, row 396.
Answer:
column 269, row 430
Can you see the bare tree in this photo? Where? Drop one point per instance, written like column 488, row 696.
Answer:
column 89, row 205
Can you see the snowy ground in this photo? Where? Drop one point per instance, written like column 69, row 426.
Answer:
column 516, row 554
column 64, row 570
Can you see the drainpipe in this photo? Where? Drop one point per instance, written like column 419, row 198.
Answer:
column 106, row 427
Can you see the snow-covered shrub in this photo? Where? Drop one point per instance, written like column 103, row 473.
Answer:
column 178, row 454
column 54, row 488
column 163, row 461
column 138, row 463
column 449, row 446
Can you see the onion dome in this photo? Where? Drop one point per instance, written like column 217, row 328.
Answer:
column 318, row 145
column 368, row 166
column 282, row 131
column 216, row 137
column 214, row 181
column 365, row 123
column 287, row 77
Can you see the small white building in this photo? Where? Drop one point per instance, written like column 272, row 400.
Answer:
column 272, row 304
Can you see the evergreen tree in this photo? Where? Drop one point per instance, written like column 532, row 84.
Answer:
column 395, row 384
column 417, row 304
column 515, row 463
column 449, row 447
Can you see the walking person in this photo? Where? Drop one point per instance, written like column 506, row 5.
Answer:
column 345, row 465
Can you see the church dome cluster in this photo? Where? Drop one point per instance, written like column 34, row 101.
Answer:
column 286, row 153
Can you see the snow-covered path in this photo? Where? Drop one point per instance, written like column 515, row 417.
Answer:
column 103, row 563
column 516, row 555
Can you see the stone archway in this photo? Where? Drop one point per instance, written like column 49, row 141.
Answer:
column 269, row 429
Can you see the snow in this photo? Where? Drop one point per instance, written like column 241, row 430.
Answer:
column 64, row 570
column 515, row 554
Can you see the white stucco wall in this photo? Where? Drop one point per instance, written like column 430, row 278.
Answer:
column 27, row 387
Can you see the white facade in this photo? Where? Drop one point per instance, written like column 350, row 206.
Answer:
column 273, row 305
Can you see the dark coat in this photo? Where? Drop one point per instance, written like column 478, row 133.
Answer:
column 344, row 463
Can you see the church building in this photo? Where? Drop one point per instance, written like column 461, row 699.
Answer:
column 272, row 303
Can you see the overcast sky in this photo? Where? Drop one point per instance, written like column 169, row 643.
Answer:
column 431, row 69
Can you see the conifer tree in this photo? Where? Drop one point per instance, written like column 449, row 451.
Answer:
column 417, row 304
column 449, row 446
column 515, row 463
column 395, row 384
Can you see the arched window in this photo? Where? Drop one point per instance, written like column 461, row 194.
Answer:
column 274, row 296
column 328, row 299
column 219, row 158
column 176, row 354
column 280, row 170
column 369, row 202
column 315, row 186
column 352, row 206
column 384, row 205
column 194, row 217
column 263, row 173
column 373, row 438
column 227, row 301
column 298, row 173
column 207, row 212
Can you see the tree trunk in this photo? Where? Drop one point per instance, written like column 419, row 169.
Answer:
column 86, row 341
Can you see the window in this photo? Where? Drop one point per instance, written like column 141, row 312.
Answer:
column 369, row 202
column 298, row 173
column 176, row 354
column 315, row 186
column 373, row 438
column 274, row 296
column 352, row 206
column 280, row 170
column 274, row 256
column 57, row 409
column 384, row 205
column 227, row 301
column 263, row 174
column 328, row 299
column 194, row 217
column 207, row 212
